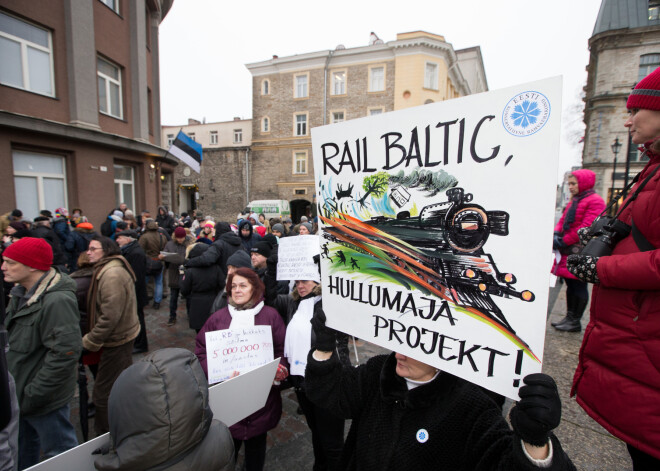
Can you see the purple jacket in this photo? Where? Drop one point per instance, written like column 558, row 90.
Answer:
column 268, row 416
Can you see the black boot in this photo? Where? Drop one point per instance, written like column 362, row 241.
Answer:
column 573, row 324
column 570, row 307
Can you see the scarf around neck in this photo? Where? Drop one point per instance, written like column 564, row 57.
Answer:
column 298, row 339
column 570, row 215
column 243, row 317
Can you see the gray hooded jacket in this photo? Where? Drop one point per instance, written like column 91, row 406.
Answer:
column 160, row 418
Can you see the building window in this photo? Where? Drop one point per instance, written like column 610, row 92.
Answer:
column 301, row 125
column 110, row 100
column 265, row 124
column 265, row 87
column 170, row 139
column 191, row 135
column 300, row 191
column 125, row 186
column 337, row 116
column 375, row 111
column 431, row 76
column 300, row 163
column 27, row 56
column 213, row 138
column 238, row 136
column 634, row 155
column 647, row 64
column 112, row 4
column 301, row 86
column 339, row 82
column 654, row 10
column 377, row 79
column 39, row 182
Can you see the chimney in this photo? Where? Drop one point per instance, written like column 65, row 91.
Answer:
column 275, row 56
column 237, row 118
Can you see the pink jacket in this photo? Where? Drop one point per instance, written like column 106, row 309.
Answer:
column 617, row 380
column 589, row 208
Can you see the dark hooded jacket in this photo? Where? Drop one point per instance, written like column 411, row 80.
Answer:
column 136, row 257
column 201, row 285
column 160, row 418
column 218, row 253
column 249, row 241
column 76, row 244
column 45, row 232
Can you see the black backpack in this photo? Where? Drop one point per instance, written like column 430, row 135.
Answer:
column 106, row 228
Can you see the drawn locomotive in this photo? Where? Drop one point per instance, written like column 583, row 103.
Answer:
column 443, row 248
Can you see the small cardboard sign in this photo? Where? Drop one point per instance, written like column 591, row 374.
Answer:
column 295, row 258
column 240, row 349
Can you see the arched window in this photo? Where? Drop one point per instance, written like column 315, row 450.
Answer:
column 265, row 124
column 265, row 87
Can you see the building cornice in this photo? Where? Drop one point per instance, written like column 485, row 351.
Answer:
column 96, row 137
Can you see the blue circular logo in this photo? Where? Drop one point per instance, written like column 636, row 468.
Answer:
column 526, row 113
column 422, row 435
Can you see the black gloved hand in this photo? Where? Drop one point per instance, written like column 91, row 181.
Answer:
column 538, row 411
column 558, row 242
column 584, row 234
column 271, row 263
column 326, row 338
column 583, row 267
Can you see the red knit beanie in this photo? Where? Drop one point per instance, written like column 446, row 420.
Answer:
column 32, row 252
column 646, row 94
column 179, row 232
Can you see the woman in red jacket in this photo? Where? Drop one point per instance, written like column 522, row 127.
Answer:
column 617, row 381
column 585, row 206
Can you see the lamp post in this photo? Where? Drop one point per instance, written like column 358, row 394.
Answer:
column 616, row 147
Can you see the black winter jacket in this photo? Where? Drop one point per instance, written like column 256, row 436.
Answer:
column 45, row 232
column 137, row 258
column 462, row 428
column 201, row 284
column 218, row 253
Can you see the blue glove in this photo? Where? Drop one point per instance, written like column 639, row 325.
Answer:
column 583, row 267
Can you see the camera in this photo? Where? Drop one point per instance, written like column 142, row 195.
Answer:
column 605, row 233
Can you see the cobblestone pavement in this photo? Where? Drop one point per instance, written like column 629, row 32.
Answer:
column 289, row 445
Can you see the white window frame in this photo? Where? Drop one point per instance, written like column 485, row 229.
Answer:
column 121, row 182
column 301, row 90
column 431, row 75
column 265, row 87
column 170, row 139
column 333, row 116
column 375, row 111
column 299, row 126
column 108, row 80
column 41, row 197
column 265, row 125
column 339, row 87
column 238, row 136
column 25, row 66
column 213, row 138
column 112, row 4
column 300, row 162
column 375, row 87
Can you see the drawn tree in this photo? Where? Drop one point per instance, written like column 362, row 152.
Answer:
column 376, row 185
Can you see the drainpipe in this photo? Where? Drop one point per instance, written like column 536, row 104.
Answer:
column 247, row 178
column 325, row 86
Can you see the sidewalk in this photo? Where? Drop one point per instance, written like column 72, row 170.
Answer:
column 290, row 447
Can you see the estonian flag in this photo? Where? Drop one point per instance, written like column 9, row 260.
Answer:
column 187, row 151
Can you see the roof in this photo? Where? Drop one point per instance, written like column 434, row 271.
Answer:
column 623, row 14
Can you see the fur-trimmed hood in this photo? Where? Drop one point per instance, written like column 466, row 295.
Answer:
column 296, row 296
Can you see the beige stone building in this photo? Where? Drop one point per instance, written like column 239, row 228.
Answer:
column 220, row 190
column 293, row 94
column 624, row 48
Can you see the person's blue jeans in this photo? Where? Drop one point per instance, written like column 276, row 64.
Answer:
column 158, row 286
column 53, row 433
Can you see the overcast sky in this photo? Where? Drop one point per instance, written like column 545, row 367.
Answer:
column 205, row 44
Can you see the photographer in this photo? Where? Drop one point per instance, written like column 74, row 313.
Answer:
column 617, row 381
column 585, row 206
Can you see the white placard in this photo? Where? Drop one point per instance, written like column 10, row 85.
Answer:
column 230, row 401
column 295, row 258
column 435, row 226
column 239, row 349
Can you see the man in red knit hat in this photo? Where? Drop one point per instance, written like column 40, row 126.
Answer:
column 44, row 346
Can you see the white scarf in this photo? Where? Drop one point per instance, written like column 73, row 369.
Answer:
column 298, row 340
column 243, row 317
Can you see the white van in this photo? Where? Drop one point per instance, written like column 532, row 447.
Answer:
column 270, row 208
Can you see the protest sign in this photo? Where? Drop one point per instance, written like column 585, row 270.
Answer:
column 241, row 349
column 295, row 258
column 435, row 226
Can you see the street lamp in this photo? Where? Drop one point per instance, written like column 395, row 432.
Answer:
column 616, row 147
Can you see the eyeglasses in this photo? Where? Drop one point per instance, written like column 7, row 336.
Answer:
column 92, row 249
